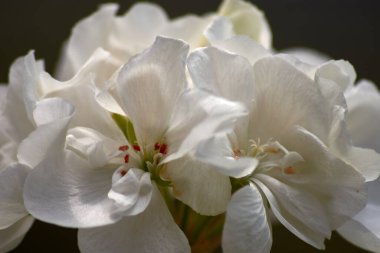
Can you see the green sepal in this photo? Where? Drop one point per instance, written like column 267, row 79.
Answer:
column 126, row 127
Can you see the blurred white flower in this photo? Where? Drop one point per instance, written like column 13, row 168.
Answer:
column 363, row 102
column 129, row 34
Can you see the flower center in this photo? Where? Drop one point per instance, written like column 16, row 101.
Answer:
column 146, row 158
column 271, row 155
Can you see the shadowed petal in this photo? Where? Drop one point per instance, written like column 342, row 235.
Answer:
column 247, row 226
column 153, row 230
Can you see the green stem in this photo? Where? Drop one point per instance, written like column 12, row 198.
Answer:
column 185, row 216
column 204, row 220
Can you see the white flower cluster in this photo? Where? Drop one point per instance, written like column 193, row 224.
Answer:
column 185, row 135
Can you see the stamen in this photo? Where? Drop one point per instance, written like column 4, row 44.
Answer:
column 136, row 147
column 123, row 148
column 123, row 173
column 272, row 149
column 126, row 158
column 157, row 146
column 237, row 154
column 290, row 170
column 163, row 149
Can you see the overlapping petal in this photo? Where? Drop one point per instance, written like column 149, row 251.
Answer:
column 52, row 117
column 218, row 153
column 153, row 230
column 363, row 115
column 11, row 189
column 197, row 117
column 149, row 85
column 284, row 97
column 85, row 40
column 198, row 185
column 132, row 192
column 247, row 227
column 65, row 190
column 247, row 19
column 13, row 235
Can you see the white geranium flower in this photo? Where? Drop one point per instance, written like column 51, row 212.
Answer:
column 294, row 135
column 108, row 184
column 127, row 35
column 22, row 115
column 28, row 114
column 362, row 102
column 14, row 221
column 334, row 78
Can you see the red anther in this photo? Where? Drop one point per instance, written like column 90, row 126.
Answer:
column 237, row 154
column 157, row 146
column 163, row 149
column 126, row 158
column 123, row 172
column 289, row 170
column 136, row 147
column 123, row 148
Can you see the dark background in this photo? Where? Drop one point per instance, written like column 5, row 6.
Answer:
column 345, row 29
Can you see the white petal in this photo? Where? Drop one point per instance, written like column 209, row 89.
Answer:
column 12, row 236
column 11, row 187
column 8, row 153
column 108, row 102
column 333, row 77
column 363, row 160
column 50, row 110
column 243, row 46
column 247, row 19
column 24, row 80
column 247, row 227
column 340, row 72
column 366, row 161
column 21, row 98
column 290, row 222
column 3, row 95
column 363, row 116
column 198, row 185
column 224, row 74
column 8, row 144
column 131, row 192
column 227, row 75
column 285, row 97
column 153, row 230
column 300, row 204
column 364, row 228
column 323, row 174
column 143, row 22
column 197, row 117
column 65, row 190
column 92, row 145
column 149, row 85
column 52, row 116
column 89, row 34
column 304, row 67
column 220, row 29
column 360, row 236
column 188, row 28
column 81, row 90
column 307, row 55
column 218, row 153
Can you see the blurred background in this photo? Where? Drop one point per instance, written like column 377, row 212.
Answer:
column 345, row 29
